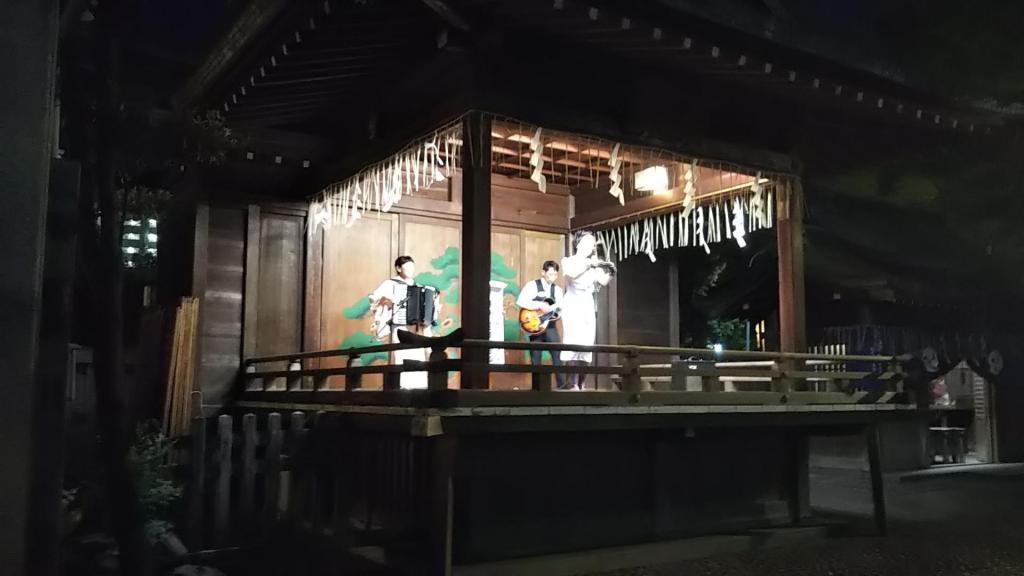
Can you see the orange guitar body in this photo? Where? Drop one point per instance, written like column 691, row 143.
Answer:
column 534, row 321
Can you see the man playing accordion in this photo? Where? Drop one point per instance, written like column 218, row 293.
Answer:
column 400, row 304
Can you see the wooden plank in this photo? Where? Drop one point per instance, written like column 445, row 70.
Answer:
column 172, row 366
column 219, row 349
column 530, row 209
column 250, row 321
column 188, row 389
column 196, row 485
column 246, row 497
column 256, row 18
column 222, row 497
column 314, row 293
column 200, row 259
column 476, row 235
column 272, row 471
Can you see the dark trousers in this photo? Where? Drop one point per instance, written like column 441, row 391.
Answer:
column 549, row 335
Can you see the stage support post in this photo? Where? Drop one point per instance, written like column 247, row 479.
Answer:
column 790, row 229
column 877, row 482
column 476, row 241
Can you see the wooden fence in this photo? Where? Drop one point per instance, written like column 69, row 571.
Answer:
column 255, row 477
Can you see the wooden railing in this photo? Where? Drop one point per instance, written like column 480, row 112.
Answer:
column 776, row 376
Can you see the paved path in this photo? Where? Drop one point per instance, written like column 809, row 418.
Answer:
column 941, row 525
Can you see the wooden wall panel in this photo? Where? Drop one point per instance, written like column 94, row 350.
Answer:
column 530, row 209
column 220, row 330
column 355, row 261
column 436, row 247
column 279, row 311
column 643, row 293
column 538, row 247
column 351, row 262
column 311, row 336
column 507, row 250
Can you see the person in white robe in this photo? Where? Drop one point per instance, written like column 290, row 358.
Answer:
column 579, row 314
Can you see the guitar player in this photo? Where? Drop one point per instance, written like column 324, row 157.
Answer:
column 542, row 295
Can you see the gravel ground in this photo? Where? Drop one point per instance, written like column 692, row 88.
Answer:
column 960, row 525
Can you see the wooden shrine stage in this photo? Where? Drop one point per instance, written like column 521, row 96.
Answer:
column 470, row 480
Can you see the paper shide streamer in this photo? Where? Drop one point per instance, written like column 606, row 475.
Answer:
column 697, row 226
column 537, row 161
column 380, row 186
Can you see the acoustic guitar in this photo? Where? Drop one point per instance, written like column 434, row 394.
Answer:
column 534, row 321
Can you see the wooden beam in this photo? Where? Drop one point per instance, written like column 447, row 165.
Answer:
column 450, row 15
column 476, row 237
column 257, row 16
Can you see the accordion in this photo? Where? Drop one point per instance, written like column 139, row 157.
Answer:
column 416, row 308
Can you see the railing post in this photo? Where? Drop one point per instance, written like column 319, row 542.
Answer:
column 437, row 375
column 252, row 382
column 392, row 381
column 540, row 382
column 294, row 380
column 353, row 381
column 631, row 379
column 784, row 384
column 319, row 382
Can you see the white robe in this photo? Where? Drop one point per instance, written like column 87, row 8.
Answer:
column 579, row 315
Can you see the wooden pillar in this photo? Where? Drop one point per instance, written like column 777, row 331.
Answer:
column 29, row 51
column 790, row 229
column 476, row 239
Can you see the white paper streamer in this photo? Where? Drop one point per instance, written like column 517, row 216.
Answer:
column 689, row 191
column 738, row 233
column 615, row 163
column 537, row 161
